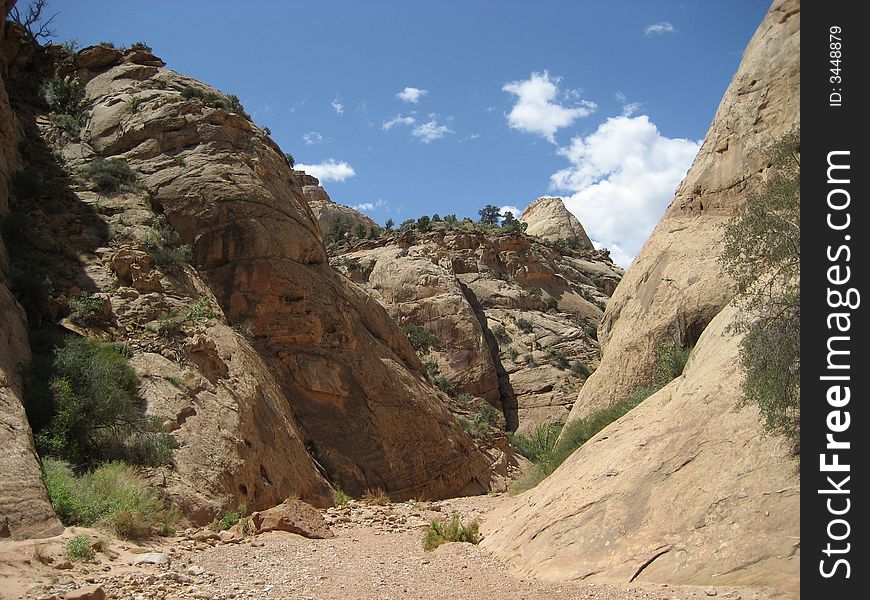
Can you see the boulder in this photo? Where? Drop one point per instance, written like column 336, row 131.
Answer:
column 293, row 516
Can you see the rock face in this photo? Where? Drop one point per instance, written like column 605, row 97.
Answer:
column 326, row 212
column 548, row 218
column 24, row 508
column 511, row 314
column 608, row 512
column 270, row 369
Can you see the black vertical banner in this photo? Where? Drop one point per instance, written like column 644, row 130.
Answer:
column 834, row 264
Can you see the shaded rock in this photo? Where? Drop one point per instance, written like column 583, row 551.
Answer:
column 293, row 516
column 548, row 218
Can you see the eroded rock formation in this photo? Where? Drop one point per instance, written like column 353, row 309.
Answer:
column 548, row 218
column 327, row 212
column 512, row 314
column 684, row 488
column 24, row 508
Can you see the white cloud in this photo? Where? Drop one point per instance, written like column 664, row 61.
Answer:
column 338, row 106
column 622, row 177
column 536, row 110
column 411, row 94
column 398, row 120
column 628, row 108
column 311, row 138
column 430, row 131
column 365, row 206
column 659, row 28
column 329, row 170
column 516, row 211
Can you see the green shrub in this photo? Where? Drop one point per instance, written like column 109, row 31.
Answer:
column 558, row 359
column 171, row 323
column 165, row 247
column 79, row 549
column 378, row 497
column 578, row 369
column 524, row 325
column 443, row 384
column 421, row 339
column 513, row 353
column 97, row 414
column 133, row 103
column 63, row 95
column 762, row 255
column 671, row 361
column 591, row 332
column 108, row 175
column 530, row 360
column 432, row 370
column 110, row 496
column 551, row 303
column 229, row 519
column 539, row 443
column 291, row 161
column 574, row 435
column 230, row 102
column 500, row 333
column 86, row 308
column 441, row 531
column 340, row 498
column 534, row 292
column 141, row 46
column 68, row 124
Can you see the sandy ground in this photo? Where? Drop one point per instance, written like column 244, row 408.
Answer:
column 376, row 555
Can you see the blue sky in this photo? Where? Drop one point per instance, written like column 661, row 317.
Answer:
column 410, row 108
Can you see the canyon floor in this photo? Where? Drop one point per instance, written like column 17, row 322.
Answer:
column 376, row 555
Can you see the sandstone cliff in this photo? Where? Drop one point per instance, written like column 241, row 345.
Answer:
column 511, row 314
column 548, row 218
column 271, row 370
column 683, row 488
column 327, row 212
column 24, row 507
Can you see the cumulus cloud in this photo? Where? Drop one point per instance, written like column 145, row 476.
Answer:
column 411, row 94
column 536, row 109
column 337, row 106
column 430, row 131
column 621, row 178
column 311, row 138
column 328, row 170
column 659, row 28
column 508, row 208
column 628, row 108
column 366, row 206
column 398, row 120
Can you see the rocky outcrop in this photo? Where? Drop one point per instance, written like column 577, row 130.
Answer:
column 269, row 368
column 24, row 508
column 511, row 315
column 608, row 512
column 548, row 218
column 327, row 212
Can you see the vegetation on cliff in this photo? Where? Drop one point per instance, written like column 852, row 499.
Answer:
column 762, row 254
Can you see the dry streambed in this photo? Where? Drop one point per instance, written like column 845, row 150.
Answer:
column 376, row 554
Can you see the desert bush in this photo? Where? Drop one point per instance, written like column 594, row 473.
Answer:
column 340, row 498
column 443, row 384
column 108, row 175
column 165, row 247
column 96, row 412
column 290, row 159
column 574, row 435
column 762, row 254
column 133, row 102
column 513, row 353
column 421, row 339
column 111, row 496
column 530, row 360
column 79, row 549
column 377, row 497
column 557, row 358
column 539, row 443
column 140, row 46
column 671, row 360
column 63, row 95
column 86, row 308
column 500, row 333
column 442, row 531
column 227, row 520
column 68, row 124
column 524, row 325
column 578, row 369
